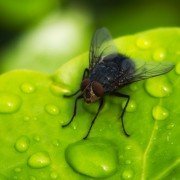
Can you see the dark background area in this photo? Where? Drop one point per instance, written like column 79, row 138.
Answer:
column 28, row 29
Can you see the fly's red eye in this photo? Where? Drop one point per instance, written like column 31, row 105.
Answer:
column 84, row 83
column 97, row 89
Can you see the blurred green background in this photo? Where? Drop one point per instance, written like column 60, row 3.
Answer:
column 43, row 34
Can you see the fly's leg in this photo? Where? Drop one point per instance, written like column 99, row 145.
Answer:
column 85, row 74
column 124, row 109
column 74, row 113
column 101, row 102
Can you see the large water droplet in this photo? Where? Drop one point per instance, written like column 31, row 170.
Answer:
column 9, row 103
column 158, row 86
column 177, row 68
column 143, row 43
column 160, row 113
column 94, row 158
column 127, row 174
column 22, row 144
column 131, row 106
column 159, row 55
column 39, row 160
column 27, row 88
column 52, row 109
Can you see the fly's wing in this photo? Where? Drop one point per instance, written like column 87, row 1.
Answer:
column 147, row 70
column 101, row 46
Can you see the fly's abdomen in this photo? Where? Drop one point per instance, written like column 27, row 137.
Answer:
column 111, row 73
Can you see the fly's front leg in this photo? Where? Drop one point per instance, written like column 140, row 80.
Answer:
column 85, row 74
column 117, row 94
column 74, row 113
column 99, row 109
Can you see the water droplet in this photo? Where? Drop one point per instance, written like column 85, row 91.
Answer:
column 159, row 55
column 27, row 88
column 39, row 160
column 167, row 138
column 143, row 43
column 158, row 86
column 128, row 161
column 170, row 126
column 22, row 144
column 177, row 68
column 54, row 175
column 9, row 103
column 37, row 138
column 127, row 174
column 99, row 160
column 17, row 169
column 160, row 113
column 52, row 109
column 131, row 106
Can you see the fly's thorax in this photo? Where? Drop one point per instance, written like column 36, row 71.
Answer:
column 92, row 91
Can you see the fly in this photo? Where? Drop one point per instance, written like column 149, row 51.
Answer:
column 109, row 71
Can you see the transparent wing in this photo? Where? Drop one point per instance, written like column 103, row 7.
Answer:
column 147, row 70
column 101, row 46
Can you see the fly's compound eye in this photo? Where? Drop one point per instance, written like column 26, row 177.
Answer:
column 97, row 89
column 84, row 84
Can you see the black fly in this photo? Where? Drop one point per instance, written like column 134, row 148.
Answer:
column 109, row 71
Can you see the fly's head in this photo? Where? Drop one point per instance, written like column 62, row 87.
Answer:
column 92, row 91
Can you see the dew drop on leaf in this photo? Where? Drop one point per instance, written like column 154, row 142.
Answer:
column 143, row 43
column 9, row 103
column 39, row 160
column 127, row 174
column 52, row 109
column 159, row 55
column 177, row 68
column 22, row 144
column 27, row 88
column 160, row 113
column 158, row 86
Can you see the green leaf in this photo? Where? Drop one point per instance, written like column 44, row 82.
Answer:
column 32, row 110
